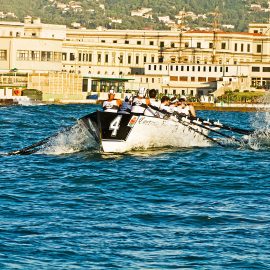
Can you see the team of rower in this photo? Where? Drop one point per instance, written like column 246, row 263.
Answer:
column 141, row 105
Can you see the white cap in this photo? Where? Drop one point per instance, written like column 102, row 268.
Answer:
column 111, row 92
column 183, row 97
column 141, row 92
column 174, row 101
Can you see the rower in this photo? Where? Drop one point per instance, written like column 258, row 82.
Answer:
column 154, row 103
column 184, row 108
column 111, row 104
column 125, row 107
column 139, row 102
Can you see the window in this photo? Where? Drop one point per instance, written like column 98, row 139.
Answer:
column 149, row 67
column 35, row 56
column 3, row 55
column 64, row 56
column 215, row 69
column 242, row 47
column 235, row 47
column 106, row 58
column 172, row 45
column 99, row 58
column 199, row 68
column 153, row 80
column 22, row 55
column 220, row 69
column 176, row 68
column 187, row 68
column 183, row 92
column 155, row 67
column 171, row 68
column 255, row 69
column 191, row 92
column 144, row 58
column 210, row 69
column 103, row 41
column 182, row 68
column 139, row 42
column 227, row 69
column 266, row 69
column 186, row 44
column 259, row 48
column 151, row 43
column 211, row 45
column 160, row 67
column 126, row 41
column 129, row 59
column 114, row 41
column 71, row 56
column 152, row 59
column 199, row 45
column 193, row 68
column 223, row 46
column 165, row 91
column 161, row 44
column 248, row 48
column 137, row 59
column 90, row 57
column 174, row 92
column 80, row 57
column 120, row 58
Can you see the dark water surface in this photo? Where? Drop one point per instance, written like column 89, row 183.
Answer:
column 201, row 208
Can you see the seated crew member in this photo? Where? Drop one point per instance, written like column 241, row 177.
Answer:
column 184, row 108
column 154, row 104
column 125, row 107
column 174, row 104
column 111, row 104
column 139, row 102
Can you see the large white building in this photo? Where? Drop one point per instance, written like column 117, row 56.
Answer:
column 174, row 62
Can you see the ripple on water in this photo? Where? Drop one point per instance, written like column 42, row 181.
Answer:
column 158, row 209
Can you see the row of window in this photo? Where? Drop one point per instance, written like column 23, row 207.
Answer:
column 182, row 92
column 258, row 69
column 46, row 56
column 189, row 68
column 3, row 55
column 223, row 45
column 88, row 57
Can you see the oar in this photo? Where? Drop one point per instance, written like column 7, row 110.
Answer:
column 226, row 127
column 33, row 147
column 200, row 124
column 199, row 132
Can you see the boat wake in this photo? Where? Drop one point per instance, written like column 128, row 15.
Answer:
column 260, row 139
column 73, row 140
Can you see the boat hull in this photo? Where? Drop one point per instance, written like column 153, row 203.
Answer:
column 118, row 133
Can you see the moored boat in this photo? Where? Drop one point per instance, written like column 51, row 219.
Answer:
column 118, row 133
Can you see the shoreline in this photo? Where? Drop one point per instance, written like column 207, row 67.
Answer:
column 225, row 107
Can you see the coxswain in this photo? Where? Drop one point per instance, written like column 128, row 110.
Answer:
column 125, row 107
column 140, row 103
column 111, row 104
column 184, row 108
column 154, row 105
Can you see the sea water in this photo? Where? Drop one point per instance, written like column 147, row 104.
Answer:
column 71, row 207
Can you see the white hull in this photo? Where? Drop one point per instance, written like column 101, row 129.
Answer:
column 149, row 132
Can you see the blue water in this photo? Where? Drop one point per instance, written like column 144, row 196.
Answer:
column 200, row 208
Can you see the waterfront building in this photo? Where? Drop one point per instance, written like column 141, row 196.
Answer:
column 195, row 63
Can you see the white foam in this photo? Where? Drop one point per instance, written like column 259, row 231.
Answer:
column 74, row 140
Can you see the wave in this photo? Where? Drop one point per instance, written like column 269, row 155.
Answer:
column 73, row 140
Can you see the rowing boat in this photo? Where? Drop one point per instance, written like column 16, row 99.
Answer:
column 118, row 133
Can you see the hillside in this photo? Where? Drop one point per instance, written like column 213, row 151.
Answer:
column 140, row 14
